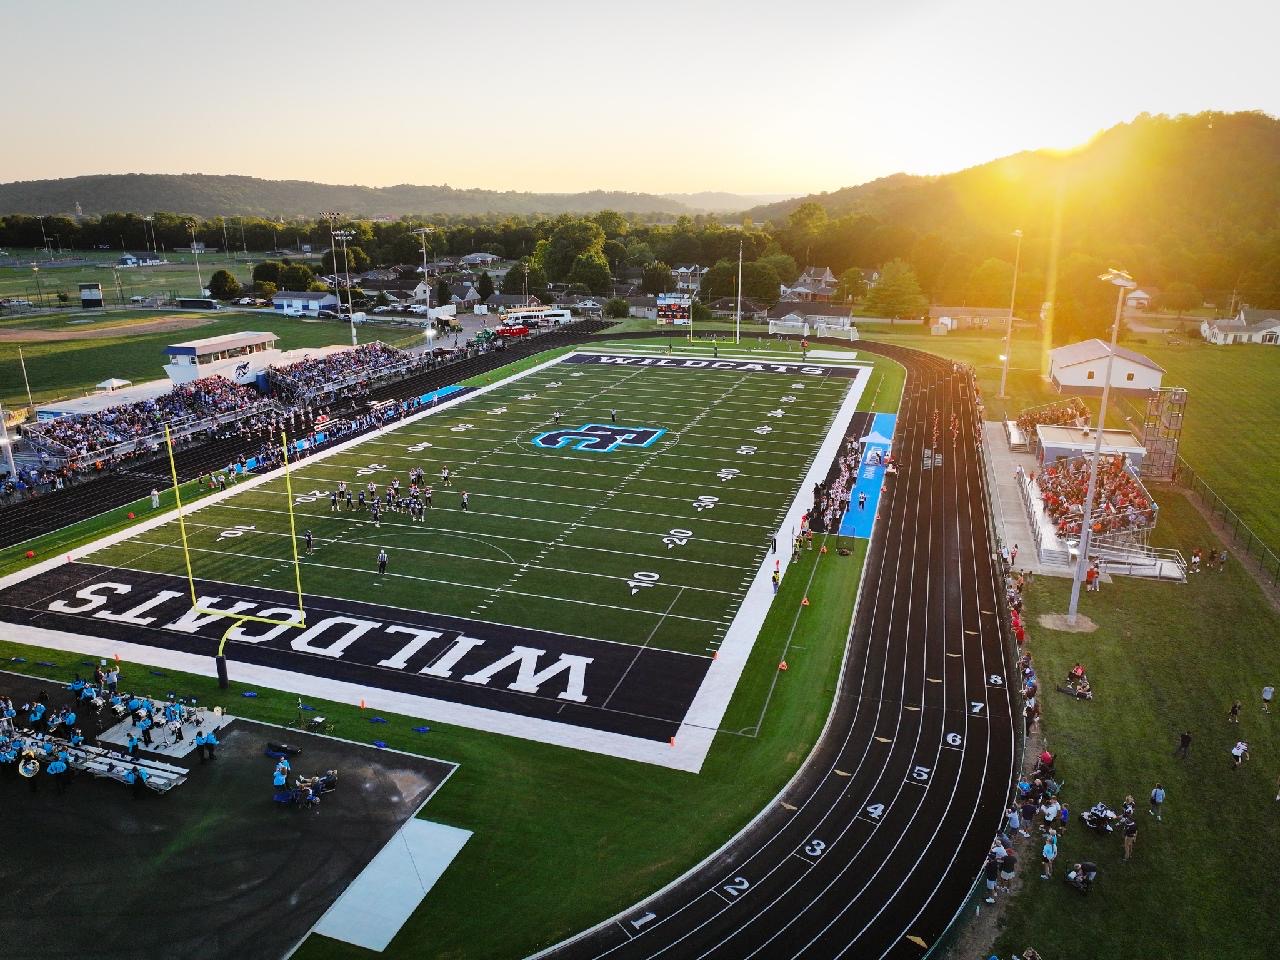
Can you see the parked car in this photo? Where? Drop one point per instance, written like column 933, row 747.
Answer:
column 328, row 315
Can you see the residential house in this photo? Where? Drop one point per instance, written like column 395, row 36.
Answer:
column 1081, row 368
column 688, row 277
column 813, row 311
column 728, row 307
column 1138, row 300
column 481, row 260
column 644, row 307
column 1248, row 326
column 464, row 295
column 510, row 301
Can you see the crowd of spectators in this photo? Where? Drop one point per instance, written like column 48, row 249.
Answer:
column 1066, row 413
column 85, row 436
column 319, row 374
column 831, row 497
column 1120, row 502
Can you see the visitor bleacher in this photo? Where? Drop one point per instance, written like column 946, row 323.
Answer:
column 1021, row 431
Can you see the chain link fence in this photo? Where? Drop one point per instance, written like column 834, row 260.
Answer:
column 1242, row 535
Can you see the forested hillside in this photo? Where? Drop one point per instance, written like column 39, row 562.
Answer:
column 211, row 196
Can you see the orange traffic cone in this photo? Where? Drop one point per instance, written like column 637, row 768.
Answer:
column 782, row 665
column 673, row 741
column 824, row 549
column 804, row 602
column 362, row 703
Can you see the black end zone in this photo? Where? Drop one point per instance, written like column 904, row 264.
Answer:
column 611, row 687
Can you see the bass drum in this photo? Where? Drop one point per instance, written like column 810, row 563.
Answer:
column 29, row 767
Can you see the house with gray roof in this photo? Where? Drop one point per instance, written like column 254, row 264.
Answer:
column 1082, row 368
column 1248, row 326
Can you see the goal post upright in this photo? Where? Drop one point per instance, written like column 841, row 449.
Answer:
column 293, row 529
column 182, row 525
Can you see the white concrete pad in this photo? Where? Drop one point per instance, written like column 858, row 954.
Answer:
column 372, row 910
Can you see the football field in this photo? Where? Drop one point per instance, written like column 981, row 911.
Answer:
column 610, row 564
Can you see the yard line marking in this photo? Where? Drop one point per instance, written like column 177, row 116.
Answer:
column 644, row 646
column 445, row 583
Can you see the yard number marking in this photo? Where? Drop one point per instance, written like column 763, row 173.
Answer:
column 649, row 917
column 462, row 427
column 748, row 451
column 677, row 537
column 728, row 473
column 762, row 430
column 788, row 399
column 311, row 497
column 705, row 502
column 797, row 386
column 371, row 468
column 775, row 413
column 237, row 531
column 497, row 410
column 418, row 447
column 640, row 580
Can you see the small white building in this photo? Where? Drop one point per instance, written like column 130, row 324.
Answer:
column 1138, row 300
column 1081, row 367
column 1248, row 326
column 306, row 302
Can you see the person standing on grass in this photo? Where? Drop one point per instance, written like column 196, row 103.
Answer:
column 382, row 561
column 155, row 499
column 333, row 501
column 1184, row 745
column 1129, row 827
column 445, row 479
column 466, row 502
column 1008, row 869
column 1234, row 715
column 1267, row 693
column 1014, row 819
column 1049, row 853
column 613, row 416
column 310, row 541
column 1157, row 801
column 776, row 580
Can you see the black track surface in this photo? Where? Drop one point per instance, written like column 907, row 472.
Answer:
column 213, row 870
column 873, row 848
column 32, row 518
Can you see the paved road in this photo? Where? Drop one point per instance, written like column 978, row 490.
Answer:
column 872, row 849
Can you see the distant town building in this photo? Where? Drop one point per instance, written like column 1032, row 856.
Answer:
column 1248, row 326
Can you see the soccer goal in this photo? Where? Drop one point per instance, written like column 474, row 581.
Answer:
column 840, row 330
column 798, row 328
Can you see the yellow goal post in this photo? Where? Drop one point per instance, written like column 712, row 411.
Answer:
column 239, row 618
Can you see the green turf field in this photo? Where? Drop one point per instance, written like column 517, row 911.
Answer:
column 178, row 277
column 653, row 545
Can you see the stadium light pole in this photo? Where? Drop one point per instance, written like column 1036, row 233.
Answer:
column 737, row 317
column 343, row 236
column 421, row 234
column 1008, row 330
column 45, row 237
column 1124, row 283
column 8, row 447
column 191, row 225
column 39, row 289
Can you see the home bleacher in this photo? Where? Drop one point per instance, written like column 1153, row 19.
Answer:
column 135, row 479
column 1021, row 431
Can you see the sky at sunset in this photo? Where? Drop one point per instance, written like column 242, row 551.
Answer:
column 566, row 95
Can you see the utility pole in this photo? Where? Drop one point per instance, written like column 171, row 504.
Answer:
column 737, row 322
column 1008, row 333
column 199, row 276
column 8, row 447
column 23, row 363
column 1125, row 283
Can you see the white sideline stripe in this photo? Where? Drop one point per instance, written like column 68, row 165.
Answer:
column 371, row 911
column 712, row 700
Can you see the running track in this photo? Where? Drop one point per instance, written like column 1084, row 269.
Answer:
column 872, row 849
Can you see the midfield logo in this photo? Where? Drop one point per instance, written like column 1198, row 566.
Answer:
column 598, row 437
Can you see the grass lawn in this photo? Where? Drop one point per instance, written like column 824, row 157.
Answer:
column 1205, row 882
column 61, row 368
column 565, row 838
column 176, row 278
